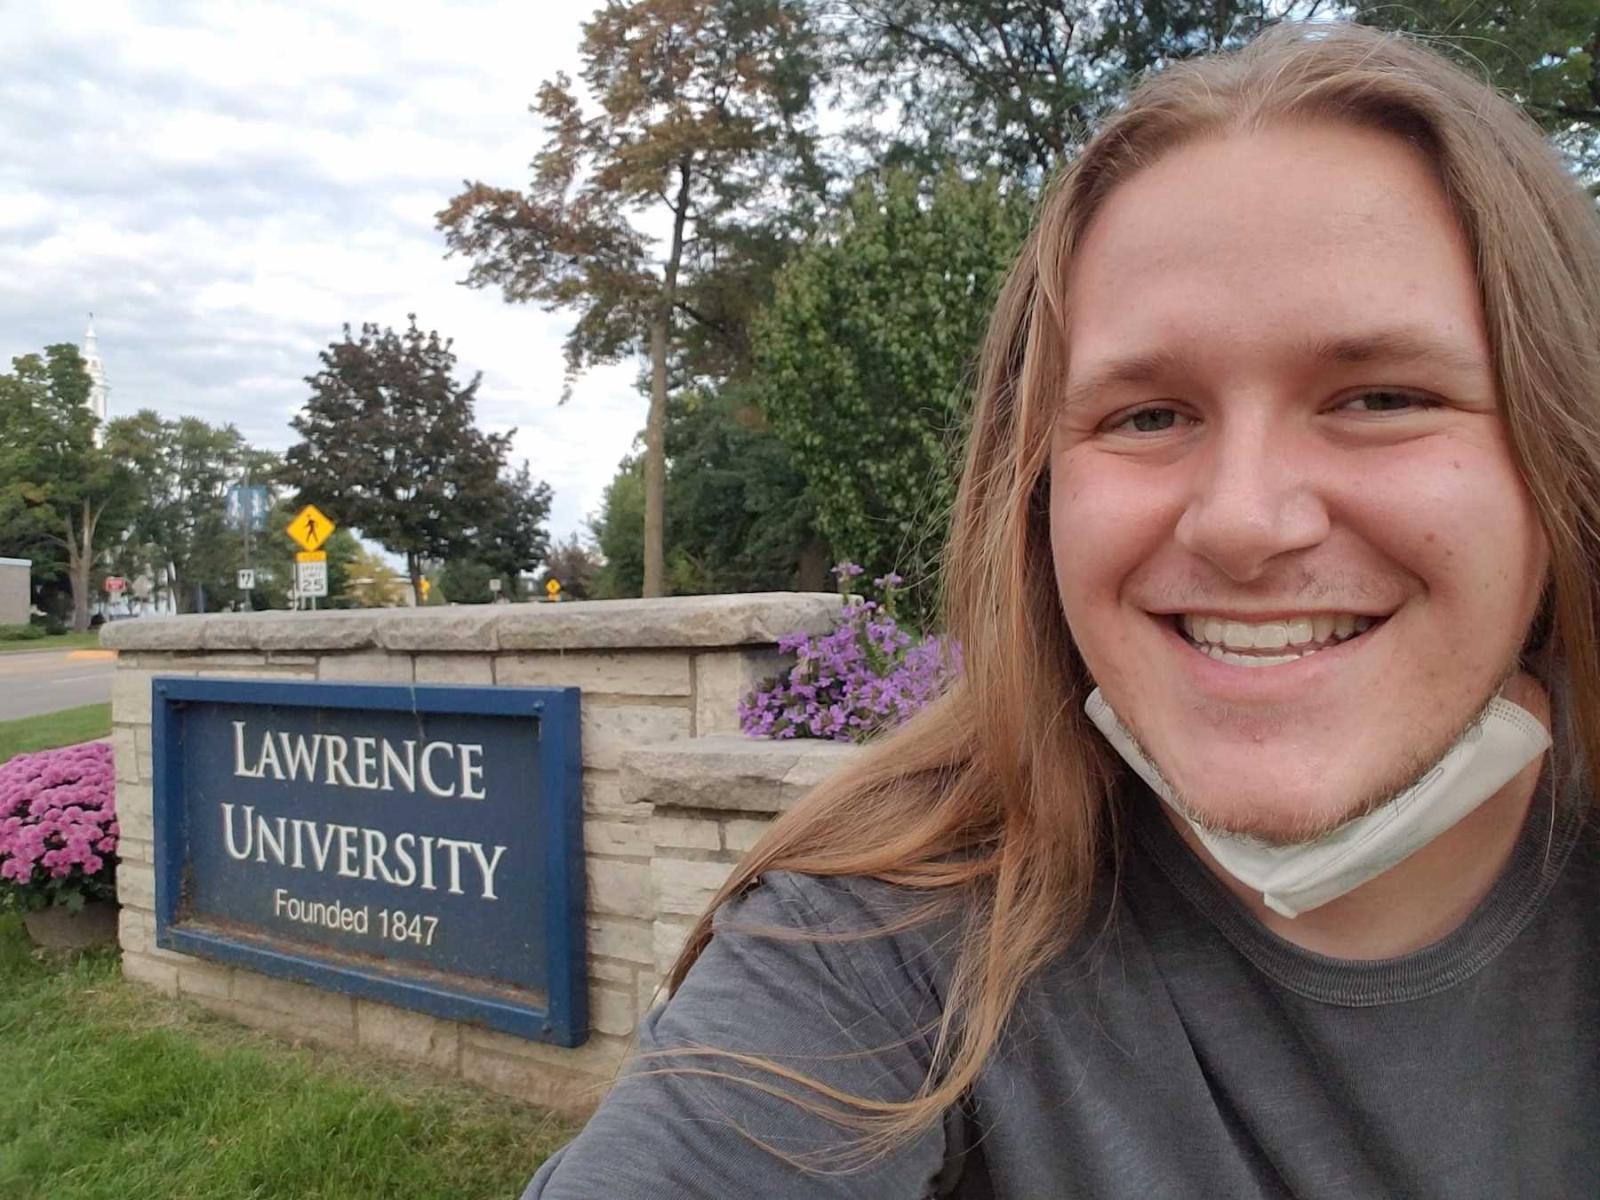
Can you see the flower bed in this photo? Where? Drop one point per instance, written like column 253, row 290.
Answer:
column 58, row 827
column 867, row 675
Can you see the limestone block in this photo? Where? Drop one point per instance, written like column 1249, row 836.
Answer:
column 143, row 757
column 348, row 629
column 613, row 971
column 619, row 937
column 620, row 888
column 136, row 850
column 729, row 772
column 686, row 888
column 151, row 972
column 650, row 991
column 612, row 1010
column 476, row 669
column 370, row 666
column 741, row 833
column 668, row 936
column 124, row 753
column 136, row 885
column 292, row 1027
column 640, row 673
column 754, row 618
column 571, row 1094
column 598, row 1058
column 631, row 838
column 602, row 797
column 412, row 1036
column 136, row 931
column 197, row 978
column 685, row 833
column 306, row 1004
column 153, row 633
column 134, row 808
column 457, row 627
column 130, row 693
column 723, row 678
column 610, row 729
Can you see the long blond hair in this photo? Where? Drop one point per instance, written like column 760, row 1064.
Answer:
column 995, row 801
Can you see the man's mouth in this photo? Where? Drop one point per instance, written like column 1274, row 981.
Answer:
column 1271, row 643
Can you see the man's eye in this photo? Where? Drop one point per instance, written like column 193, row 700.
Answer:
column 1386, row 401
column 1149, row 420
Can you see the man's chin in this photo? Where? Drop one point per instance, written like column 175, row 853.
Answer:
column 1276, row 818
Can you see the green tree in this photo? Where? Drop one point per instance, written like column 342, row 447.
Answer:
column 180, row 530
column 574, row 566
column 57, row 485
column 864, row 357
column 466, row 581
column 702, row 106
column 372, row 583
column 515, row 540
column 388, row 446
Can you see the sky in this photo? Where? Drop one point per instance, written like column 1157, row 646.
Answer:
column 225, row 185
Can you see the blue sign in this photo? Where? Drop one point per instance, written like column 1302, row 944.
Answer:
column 247, row 507
column 417, row 845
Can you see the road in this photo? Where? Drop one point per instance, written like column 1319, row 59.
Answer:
column 49, row 680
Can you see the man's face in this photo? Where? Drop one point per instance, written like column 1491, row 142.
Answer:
column 1289, row 538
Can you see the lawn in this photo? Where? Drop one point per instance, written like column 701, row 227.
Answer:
column 115, row 1092
column 45, row 732
column 61, row 641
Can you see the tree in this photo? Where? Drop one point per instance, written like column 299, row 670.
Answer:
column 515, row 540
column 703, row 104
column 864, row 356
column 179, row 529
column 574, row 566
column 56, row 484
column 1015, row 85
column 371, row 583
column 466, row 581
column 388, row 445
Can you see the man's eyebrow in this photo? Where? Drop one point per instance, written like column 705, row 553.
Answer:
column 1384, row 346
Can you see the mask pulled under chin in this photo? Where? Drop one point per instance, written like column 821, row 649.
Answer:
column 1297, row 878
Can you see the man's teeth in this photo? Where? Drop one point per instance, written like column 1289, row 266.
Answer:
column 1224, row 640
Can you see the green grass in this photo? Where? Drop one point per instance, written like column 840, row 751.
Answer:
column 115, row 1092
column 61, row 641
column 49, row 730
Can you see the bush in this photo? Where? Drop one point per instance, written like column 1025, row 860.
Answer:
column 58, row 827
column 21, row 633
column 867, row 675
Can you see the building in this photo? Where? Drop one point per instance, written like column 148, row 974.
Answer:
column 16, row 577
column 98, row 391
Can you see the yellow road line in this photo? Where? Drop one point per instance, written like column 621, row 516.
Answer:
column 91, row 654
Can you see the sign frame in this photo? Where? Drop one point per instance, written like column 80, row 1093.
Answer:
column 564, row 1018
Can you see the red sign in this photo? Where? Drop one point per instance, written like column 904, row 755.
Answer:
column 115, row 583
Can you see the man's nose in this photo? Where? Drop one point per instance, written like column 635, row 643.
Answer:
column 1254, row 496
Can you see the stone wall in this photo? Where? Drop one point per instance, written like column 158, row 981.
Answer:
column 672, row 794
column 16, row 576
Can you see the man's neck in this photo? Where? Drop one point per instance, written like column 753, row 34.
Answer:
column 1425, row 896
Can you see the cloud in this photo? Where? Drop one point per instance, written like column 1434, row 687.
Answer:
column 225, row 185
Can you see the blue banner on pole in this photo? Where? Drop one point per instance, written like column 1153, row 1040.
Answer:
column 247, row 507
column 412, row 844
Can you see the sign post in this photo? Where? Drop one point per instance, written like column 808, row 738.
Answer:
column 310, row 528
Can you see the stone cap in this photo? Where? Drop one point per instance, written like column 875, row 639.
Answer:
column 743, row 619
column 731, row 772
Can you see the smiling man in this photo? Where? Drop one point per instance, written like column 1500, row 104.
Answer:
column 1250, row 856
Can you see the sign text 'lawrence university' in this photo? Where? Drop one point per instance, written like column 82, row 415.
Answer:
column 412, row 844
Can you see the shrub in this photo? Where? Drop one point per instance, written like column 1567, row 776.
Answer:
column 58, row 827
column 867, row 675
column 21, row 633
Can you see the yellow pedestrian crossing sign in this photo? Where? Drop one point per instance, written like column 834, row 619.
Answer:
column 311, row 527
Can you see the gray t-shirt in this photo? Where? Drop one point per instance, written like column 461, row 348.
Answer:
column 1177, row 1049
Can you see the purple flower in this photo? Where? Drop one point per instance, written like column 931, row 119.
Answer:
column 57, row 823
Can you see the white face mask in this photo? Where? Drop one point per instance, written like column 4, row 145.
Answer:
column 1297, row 878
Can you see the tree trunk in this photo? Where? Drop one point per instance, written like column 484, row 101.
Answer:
column 80, row 561
column 414, row 571
column 811, row 574
column 655, row 430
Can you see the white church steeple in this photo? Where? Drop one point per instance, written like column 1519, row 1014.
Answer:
column 98, row 390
